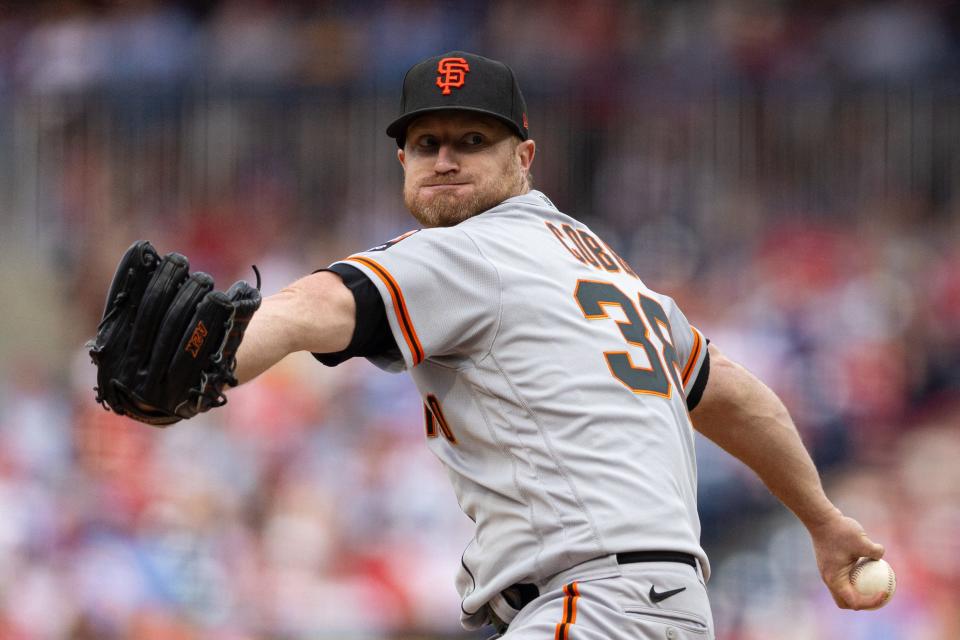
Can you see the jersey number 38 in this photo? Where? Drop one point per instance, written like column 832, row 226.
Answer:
column 594, row 296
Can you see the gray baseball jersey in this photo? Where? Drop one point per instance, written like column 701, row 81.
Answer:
column 555, row 388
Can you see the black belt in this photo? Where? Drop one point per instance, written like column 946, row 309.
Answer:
column 521, row 594
column 630, row 557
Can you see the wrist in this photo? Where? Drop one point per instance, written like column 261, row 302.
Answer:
column 821, row 517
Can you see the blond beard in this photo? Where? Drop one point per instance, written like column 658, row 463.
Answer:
column 446, row 210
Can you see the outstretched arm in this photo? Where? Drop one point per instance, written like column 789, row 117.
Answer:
column 316, row 313
column 747, row 420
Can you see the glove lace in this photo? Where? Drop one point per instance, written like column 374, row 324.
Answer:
column 210, row 393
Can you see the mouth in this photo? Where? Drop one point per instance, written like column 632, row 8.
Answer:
column 440, row 186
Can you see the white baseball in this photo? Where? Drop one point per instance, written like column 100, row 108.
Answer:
column 871, row 577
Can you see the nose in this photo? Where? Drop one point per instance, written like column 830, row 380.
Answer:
column 446, row 161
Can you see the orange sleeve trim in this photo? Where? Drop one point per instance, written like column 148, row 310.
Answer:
column 399, row 306
column 692, row 360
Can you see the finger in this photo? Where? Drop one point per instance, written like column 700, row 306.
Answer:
column 163, row 286
column 862, row 602
column 844, row 595
column 850, row 598
column 134, row 271
column 246, row 300
column 174, row 324
column 872, row 549
column 203, row 336
column 847, row 597
column 866, row 546
column 875, row 601
column 140, row 257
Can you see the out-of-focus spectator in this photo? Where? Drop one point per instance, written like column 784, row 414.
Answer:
column 892, row 40
column 250, row 40
column 68, row 50
column 149, row 43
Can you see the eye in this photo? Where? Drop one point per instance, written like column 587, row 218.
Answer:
column 473, row 140
column 427, row 142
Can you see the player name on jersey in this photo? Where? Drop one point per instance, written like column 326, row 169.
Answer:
column 588, row 249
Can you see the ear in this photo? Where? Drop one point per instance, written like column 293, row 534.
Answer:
column 525, row 152
column 402, row 157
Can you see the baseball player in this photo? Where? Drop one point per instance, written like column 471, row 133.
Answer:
column 559, row 391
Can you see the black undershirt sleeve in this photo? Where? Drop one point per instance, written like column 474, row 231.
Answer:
column 696, row 391
column 371, row 335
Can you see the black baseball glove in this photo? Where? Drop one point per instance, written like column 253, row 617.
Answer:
column 166, row 345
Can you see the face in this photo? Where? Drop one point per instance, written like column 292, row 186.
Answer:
column 458, row 164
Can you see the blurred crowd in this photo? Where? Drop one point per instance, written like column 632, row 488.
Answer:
column 57, row 45
column 787, row 171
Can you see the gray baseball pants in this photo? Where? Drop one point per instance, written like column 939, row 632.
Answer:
column 647, row 601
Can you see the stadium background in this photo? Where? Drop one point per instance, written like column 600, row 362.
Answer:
column 789, row 171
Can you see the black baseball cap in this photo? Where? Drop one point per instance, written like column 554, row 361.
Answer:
column 465, row 82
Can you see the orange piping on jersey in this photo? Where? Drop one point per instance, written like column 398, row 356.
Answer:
column 694, row 354
column 403, row 236
column 571, row 593
column 399, row 306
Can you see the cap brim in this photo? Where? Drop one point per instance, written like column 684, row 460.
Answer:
column 398, row 128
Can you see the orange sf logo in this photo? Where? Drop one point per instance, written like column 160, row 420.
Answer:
column 453, row 72
column 196, row 340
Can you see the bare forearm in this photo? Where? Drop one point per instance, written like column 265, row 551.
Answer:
column 267, row 341
column 316, row 314
column 746, row 419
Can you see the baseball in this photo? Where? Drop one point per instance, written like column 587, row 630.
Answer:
column 871, row 577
